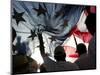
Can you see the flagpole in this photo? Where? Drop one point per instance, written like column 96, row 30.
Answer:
column 75, row 40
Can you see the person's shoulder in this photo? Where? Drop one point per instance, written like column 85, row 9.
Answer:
column 82, row 58
column 70, row 63
column 73, row 65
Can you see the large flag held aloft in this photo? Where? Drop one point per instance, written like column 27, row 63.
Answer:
column 51, row 22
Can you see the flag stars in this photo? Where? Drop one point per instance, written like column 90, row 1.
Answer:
column 18, row 16
column 32, row 35
column 40, row 10
column 52, row 38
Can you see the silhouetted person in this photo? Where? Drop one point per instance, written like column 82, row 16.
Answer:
column 33, row 66
column 49, row 64
column 16, row 48
column 23, row 64
column 91, row 23
column 61, row 63
column 23, row 47
column 91, row 26
column 43, row 68
column 83, row 61
column 81, row 49
column 89, row 60
column 20, row 64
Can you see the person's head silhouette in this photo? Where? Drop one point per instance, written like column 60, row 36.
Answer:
column 81, row 49
column 43, row 68
column 59, row 53
column 91, row 23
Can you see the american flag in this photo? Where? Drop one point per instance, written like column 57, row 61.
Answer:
column 54, row 21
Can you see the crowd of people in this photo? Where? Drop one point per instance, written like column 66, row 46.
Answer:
column 87, row 58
